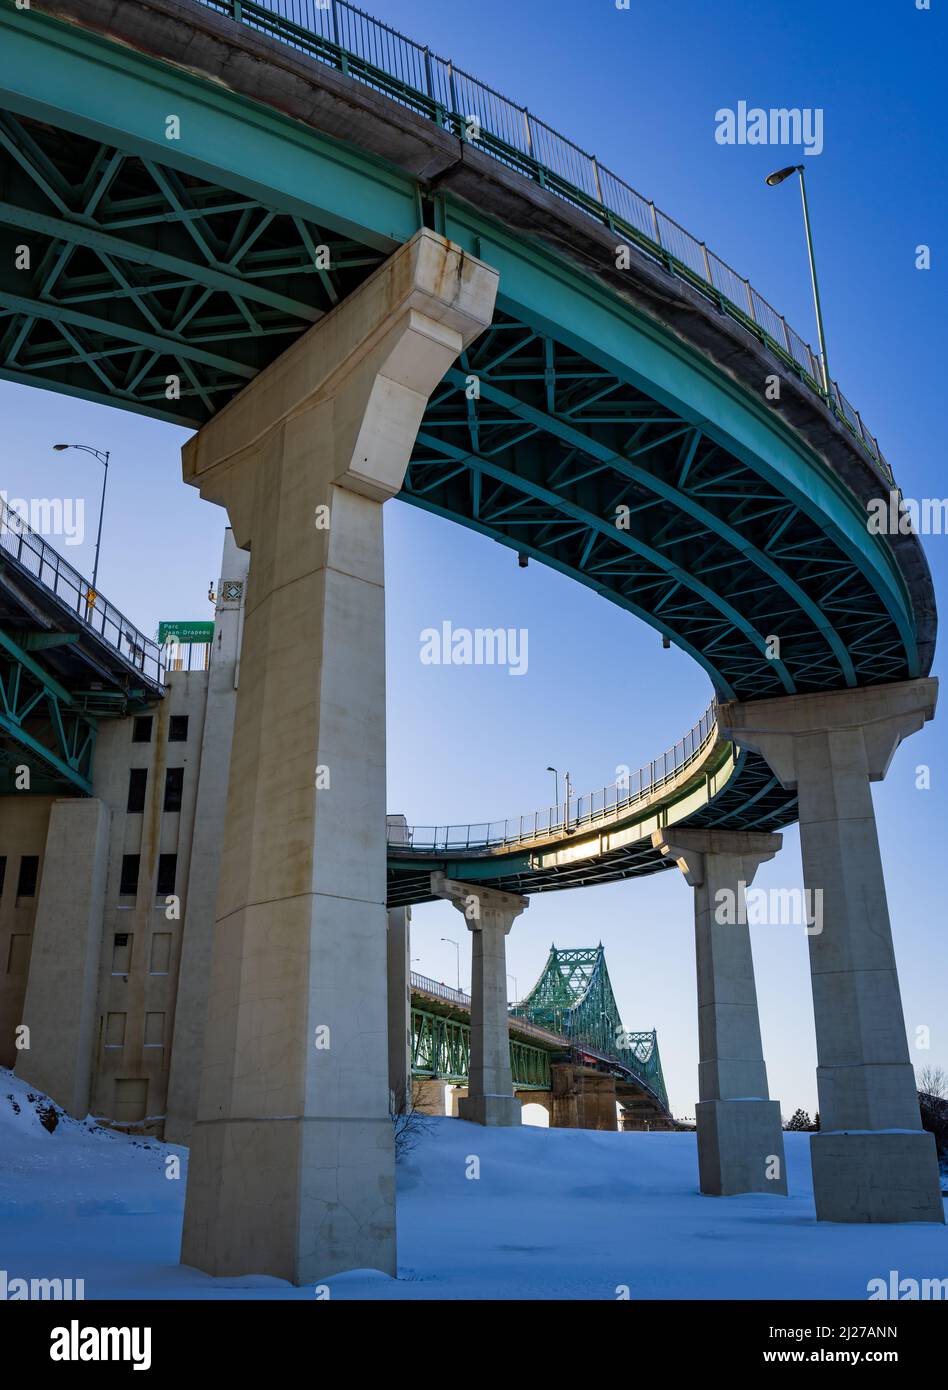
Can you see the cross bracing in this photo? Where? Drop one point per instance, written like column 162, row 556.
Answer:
column 128, row 281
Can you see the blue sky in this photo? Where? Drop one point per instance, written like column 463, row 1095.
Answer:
column 640, row 88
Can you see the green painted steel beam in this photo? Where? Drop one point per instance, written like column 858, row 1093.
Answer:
column 43, row 641
column 75, row 233
column 608, row 528
column 562, row 428
column 62, row 769
column 170, row 346
column 556, row 299
column 59, row 73
column 41, row 676
column 724, row 688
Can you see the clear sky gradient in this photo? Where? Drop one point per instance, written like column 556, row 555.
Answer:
column 640, row 88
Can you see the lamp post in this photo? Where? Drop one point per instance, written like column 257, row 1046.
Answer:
column 556, row 789
column 516, row 998
column 103, row 455
column 556, row 783
column 773, row 180
column 457, row 950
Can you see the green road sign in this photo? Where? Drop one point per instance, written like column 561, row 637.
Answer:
column 185, row 632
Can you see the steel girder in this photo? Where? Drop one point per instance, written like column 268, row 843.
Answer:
column 536, row 445
column 441, row 1049
column 42, row 727
column 127, row 281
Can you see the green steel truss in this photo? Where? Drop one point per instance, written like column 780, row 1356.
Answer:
column 557, row 449
column 573, row 997
column 441, row 1047
column 144, row 280
column 42, row 726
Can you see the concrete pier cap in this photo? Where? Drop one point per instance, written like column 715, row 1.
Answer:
column 883, row 715
column 690, row 849
column 385, row 346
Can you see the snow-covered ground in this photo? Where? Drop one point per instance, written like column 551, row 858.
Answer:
column 553, row 1214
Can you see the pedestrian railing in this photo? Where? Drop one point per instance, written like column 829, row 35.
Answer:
column 443, row 991
column 362, row 47
column 78, row 600
column 581, row 812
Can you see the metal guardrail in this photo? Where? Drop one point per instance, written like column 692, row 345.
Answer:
column 360, row 46
column 443, row 991
column 73, row 592
column 579, row 812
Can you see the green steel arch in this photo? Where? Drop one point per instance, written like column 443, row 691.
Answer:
column 170, row 263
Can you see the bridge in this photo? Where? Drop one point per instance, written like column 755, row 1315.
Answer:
column 568, row 1047
column 360, row 273
column 68, row 658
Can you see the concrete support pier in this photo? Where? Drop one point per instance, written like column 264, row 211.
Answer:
column 399, row 989
column 740, row 1137
column 871, row 1159
column 61, row 993
column 489, row 916
column 582, row 1098
column 292, row 1160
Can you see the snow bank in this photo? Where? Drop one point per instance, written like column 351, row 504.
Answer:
column 514, row 1213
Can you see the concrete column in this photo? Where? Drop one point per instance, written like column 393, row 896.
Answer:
column 197, row 936
column 60, row 1008
column 740, row 1139
column 292, row 1159
column 599, row 1103
column 399, row 988
column 564, row 1106
column 489, row 916
column 582, row 1098
column 871, row 1159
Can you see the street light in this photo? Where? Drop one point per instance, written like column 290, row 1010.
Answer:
column 556, row 787
column 773, row 180
column 516, row 990
column 556, row 793
column 451, row 942
column 103, row 456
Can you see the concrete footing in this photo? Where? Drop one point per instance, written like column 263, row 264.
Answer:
column 876, row 1177
column 740, row 1147
column 490, row 1110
